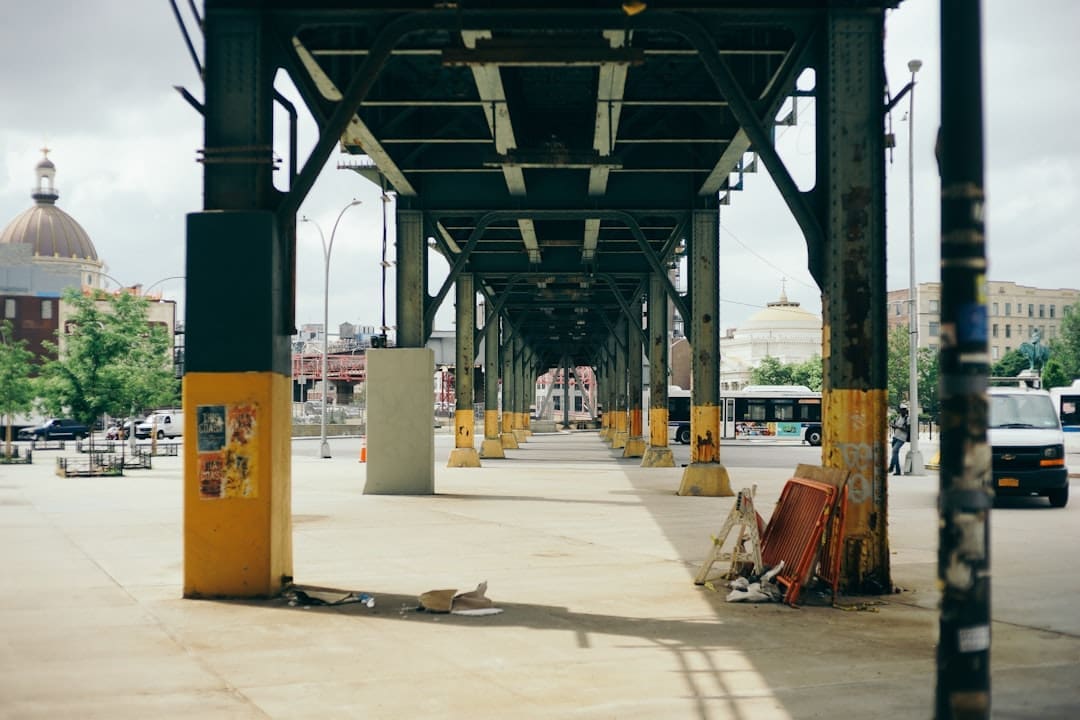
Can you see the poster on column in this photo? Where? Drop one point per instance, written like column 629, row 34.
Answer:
column 226, row 451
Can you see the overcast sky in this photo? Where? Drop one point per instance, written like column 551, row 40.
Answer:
column 94, row 81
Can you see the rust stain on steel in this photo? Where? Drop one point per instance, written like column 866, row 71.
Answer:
column 855, row 292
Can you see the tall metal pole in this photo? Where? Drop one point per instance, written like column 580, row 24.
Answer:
column 963, row 653
column 914, row 457
column 324, row 447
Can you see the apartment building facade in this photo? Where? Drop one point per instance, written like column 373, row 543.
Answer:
column 1014, row 313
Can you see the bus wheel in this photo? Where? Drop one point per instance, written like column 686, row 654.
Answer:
column 813, row 436
column 683, row 435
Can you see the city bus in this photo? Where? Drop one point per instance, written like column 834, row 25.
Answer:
column 755, row 411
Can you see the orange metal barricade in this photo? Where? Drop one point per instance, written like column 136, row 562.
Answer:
column 794, row 533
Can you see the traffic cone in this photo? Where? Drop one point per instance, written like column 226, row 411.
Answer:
column 363, row 448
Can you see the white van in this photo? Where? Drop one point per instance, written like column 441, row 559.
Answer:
column 163, row 424
column 1028, row 444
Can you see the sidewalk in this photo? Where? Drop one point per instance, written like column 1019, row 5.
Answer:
column 591, row 558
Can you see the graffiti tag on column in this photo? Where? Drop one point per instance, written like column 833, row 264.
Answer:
column 858, row 459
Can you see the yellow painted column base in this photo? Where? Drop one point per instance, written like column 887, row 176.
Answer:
column 705, row 480
column 463, row 457
column 492, row 448
column 635, row 447
column 509, row 442
column 618, row 440
column 658, row 457
column 520, row 436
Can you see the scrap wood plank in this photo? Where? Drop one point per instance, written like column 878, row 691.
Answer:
column 750, row 525
column 794, row 532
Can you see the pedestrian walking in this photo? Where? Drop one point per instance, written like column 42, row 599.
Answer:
column 901, row 428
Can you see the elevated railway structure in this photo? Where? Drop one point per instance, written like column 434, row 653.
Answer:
column 562, row 156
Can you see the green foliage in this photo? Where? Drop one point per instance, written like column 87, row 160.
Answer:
column 112, row 360
column 1010, row 365
column 1054, row 375
column 773, row 372
column 898, row 367
column 16, row 387
column 1065, row 348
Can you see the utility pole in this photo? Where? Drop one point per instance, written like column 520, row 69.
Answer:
column 963, row 654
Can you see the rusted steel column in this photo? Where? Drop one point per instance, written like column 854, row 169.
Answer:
column 605, row 391
column 705, row 475
column 635, row 439
column 491, row 447
column 851, row 169
column 620, row 433
column 411, row 281
column 658, row 454
column 521, row 390
column 963, row 657
column 508, row 394
column 464, row 453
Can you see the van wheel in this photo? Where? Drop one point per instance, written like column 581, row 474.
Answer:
column 160, row 434
column 1058, row 498
column 683, row 435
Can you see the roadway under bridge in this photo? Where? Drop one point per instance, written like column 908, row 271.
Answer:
column 562, row 156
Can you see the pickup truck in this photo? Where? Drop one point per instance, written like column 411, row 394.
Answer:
column 56, row 429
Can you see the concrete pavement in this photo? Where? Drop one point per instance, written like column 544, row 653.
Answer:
column 590, row 556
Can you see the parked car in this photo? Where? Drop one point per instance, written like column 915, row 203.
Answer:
column 165, row 424
column 56, row 429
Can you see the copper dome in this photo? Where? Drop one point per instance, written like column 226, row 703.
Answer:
column 51, row 231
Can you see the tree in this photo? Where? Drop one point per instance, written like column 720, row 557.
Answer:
column 1054, row 375
column 808, row 373
column 112, row 359
column 898, row 366
column 1066, row 346
column 771, row 372
column 1010, row 364
column 16, row 388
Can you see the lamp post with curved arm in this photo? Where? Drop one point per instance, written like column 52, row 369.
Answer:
column 914, row 456
column 324, row 447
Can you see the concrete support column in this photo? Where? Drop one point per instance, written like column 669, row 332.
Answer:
column 509, row 393
column 621, row 432
column 658, row 454
column 705, row 475
column 608, row 391
column 855, row 397
column 492, row 444
column 464, row 453
column 635, row 438
column 237, row 387
column 411, row 280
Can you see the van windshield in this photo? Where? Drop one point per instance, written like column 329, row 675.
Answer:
column 1022, row 411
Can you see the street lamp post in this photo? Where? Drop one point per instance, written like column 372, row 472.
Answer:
column 914, row 457
column 324, row 448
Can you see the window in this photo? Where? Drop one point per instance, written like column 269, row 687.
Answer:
column 9, row 308
column 1031, row 310
column 1019, row 330
column 932, row 346
column 46, row 309
column 995, row 309
column 994, row 330
column 1051, row 312
column 897, row 307
column 934, row 329
column 994, row 352
column 1008, row 331
column 1008, row 308
column 1042, row 311
column 934, row 306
